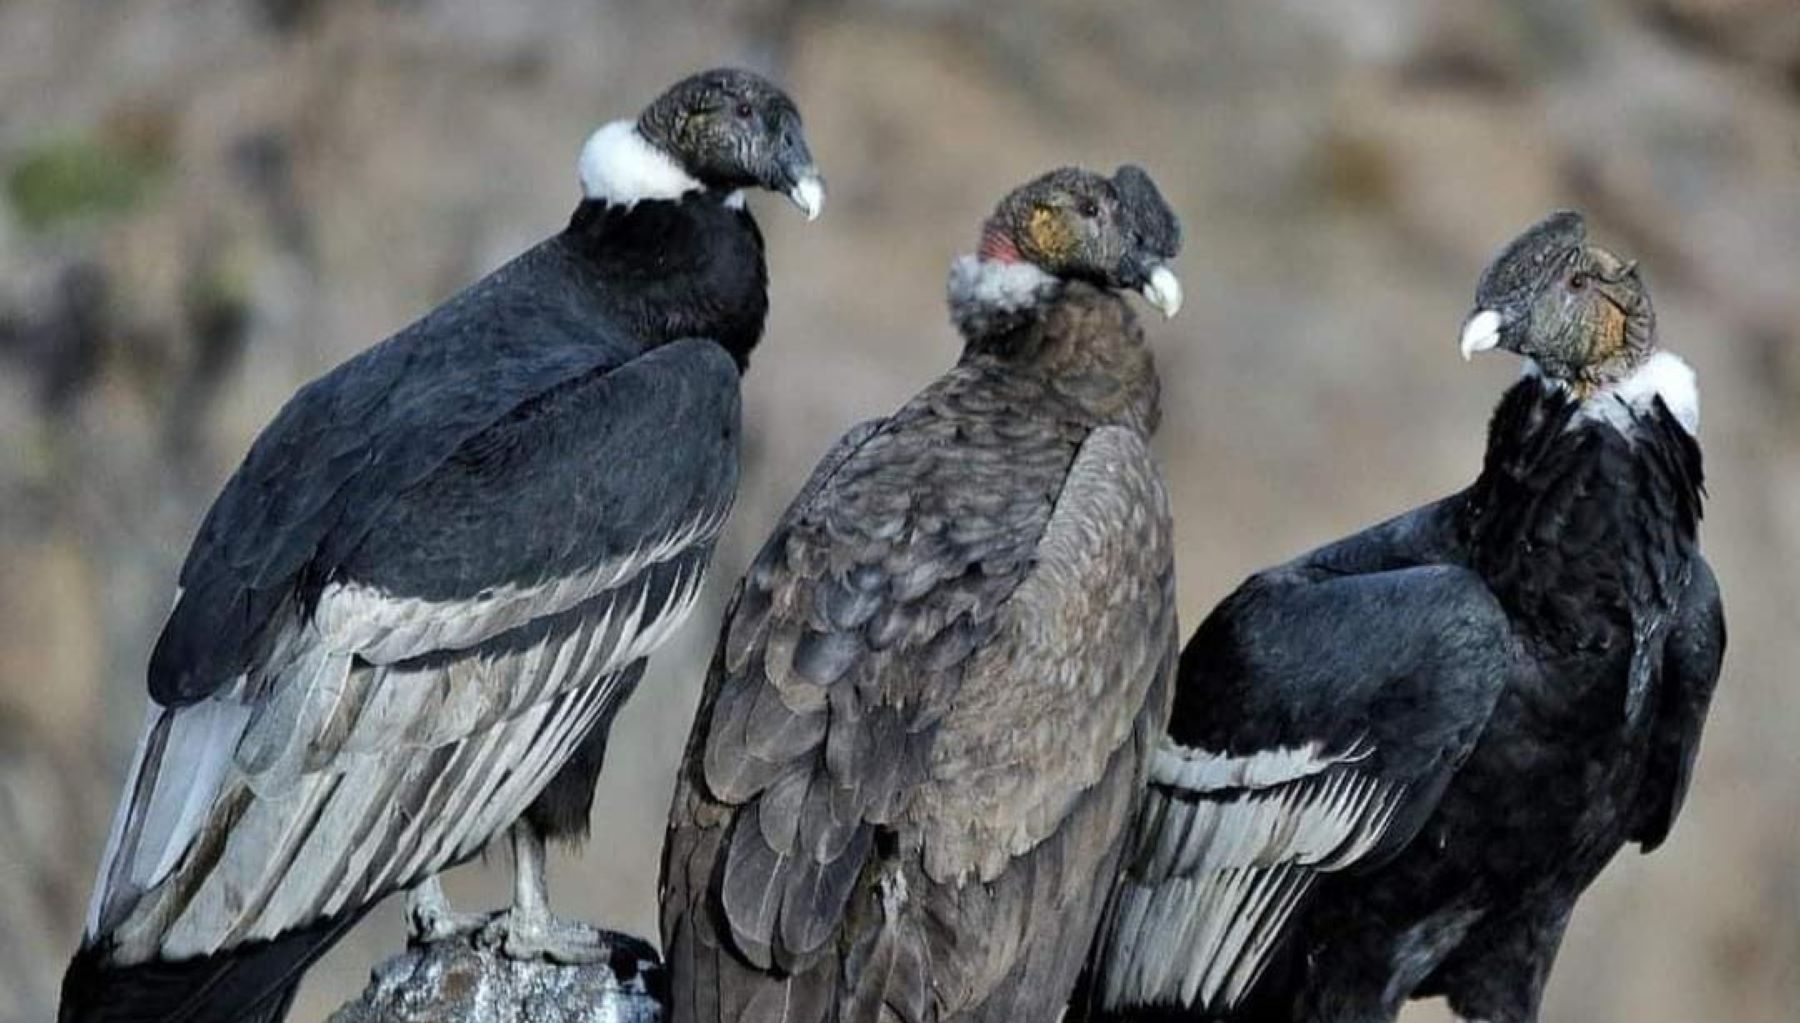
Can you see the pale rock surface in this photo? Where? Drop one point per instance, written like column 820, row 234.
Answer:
column 457, row 981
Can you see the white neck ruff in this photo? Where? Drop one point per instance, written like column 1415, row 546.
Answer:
column 986, row 292
column 620, row 167
column 1663, row 375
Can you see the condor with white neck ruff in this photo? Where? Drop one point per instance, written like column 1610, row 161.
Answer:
column 906, row 790
column 409, row 618
column 1395, row 763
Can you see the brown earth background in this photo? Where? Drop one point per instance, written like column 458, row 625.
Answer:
column 204, row 203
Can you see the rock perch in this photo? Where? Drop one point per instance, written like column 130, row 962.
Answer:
column 456, row 981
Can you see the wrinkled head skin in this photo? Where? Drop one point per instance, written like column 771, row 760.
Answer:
column 733, row 129
column 1073, row 224
column 1578, row 311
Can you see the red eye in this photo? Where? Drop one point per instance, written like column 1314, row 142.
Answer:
column 1577, row 281
column 744, row 110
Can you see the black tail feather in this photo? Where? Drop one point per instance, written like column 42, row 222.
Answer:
column 250, row 983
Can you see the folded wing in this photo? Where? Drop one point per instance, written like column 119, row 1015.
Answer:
column 393, row 715
column 922, row 731
column 1320, row 711
column 1692, row 656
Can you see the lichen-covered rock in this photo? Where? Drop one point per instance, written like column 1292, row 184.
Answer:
column 458, row 981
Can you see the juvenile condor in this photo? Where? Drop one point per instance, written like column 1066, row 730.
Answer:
column 929, row 711
column 1395, row 762
column 409, row 618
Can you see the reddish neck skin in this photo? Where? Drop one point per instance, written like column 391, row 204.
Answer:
column 997, row 247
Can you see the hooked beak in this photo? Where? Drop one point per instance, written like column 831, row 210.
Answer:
column 1480, row 333
column 808, row 193
column 1163, row 290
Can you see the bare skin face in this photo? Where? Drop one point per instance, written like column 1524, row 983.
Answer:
column 1577, row 310
column 733, row 129
column 1590, row 324
column 1075, row 224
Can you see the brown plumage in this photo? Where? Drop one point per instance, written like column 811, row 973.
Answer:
column 931, row 702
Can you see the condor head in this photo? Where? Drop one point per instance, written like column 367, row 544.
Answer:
column 1578, row 311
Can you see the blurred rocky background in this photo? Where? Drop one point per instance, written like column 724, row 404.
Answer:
column 204, row 203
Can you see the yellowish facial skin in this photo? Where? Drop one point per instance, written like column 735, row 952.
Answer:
column 1603, row 325
column 1049, row 234
column 1591, row 327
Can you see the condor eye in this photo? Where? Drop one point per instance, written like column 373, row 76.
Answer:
column 744, row 110
column 1578, row 281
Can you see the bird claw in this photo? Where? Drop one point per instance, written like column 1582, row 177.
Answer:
column 550, row 938
column 427, row 925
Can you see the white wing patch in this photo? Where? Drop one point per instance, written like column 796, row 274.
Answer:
column 335, row 779
column 383, row 628
column 186, row 752
column 1223, row 852
column 1201, row 770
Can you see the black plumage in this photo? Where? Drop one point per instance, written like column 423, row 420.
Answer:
column 1396, row 762
column 927, row 714
column 409, row 617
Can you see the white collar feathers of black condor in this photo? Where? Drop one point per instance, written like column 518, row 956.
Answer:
column 1582, row 319
column 662, row 206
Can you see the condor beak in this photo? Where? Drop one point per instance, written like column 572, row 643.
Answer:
column 1480, row 333
column 808, row 193
column 1163, row 290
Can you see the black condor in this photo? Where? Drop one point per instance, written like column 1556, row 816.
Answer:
column 1394, row 763
column 409, row 618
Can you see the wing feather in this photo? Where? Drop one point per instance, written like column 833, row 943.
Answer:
column 1300, row 748
column 921, row 733
column 1691, row 660
column 333, row 773
column 1216, row 872
column 1086, row 629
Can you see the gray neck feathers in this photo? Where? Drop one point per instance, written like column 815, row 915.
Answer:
column 990, row 297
